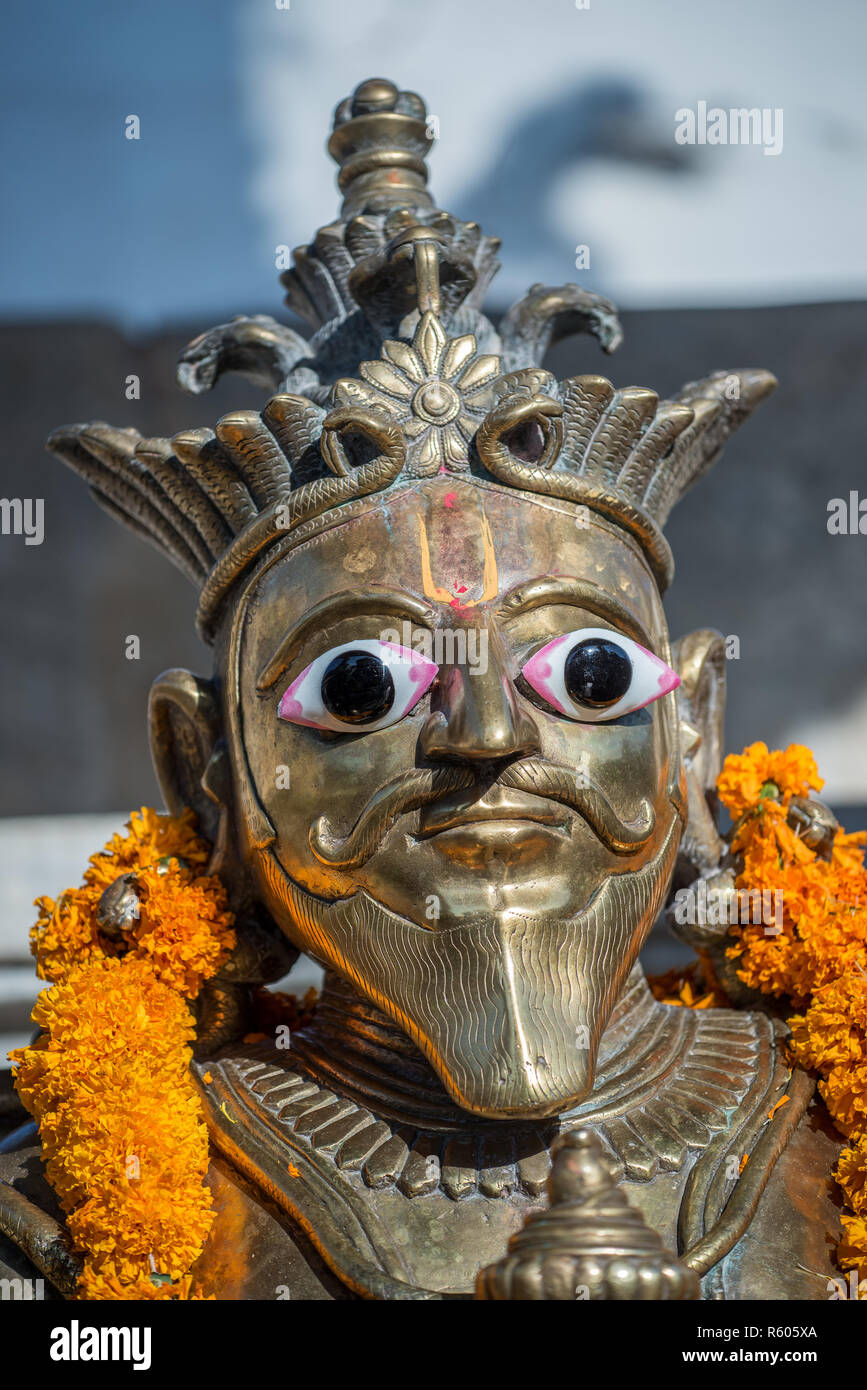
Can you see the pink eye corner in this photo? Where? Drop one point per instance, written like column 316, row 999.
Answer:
column 358, row 687
column 596, row 675
column 667, row 678
column 290, row 708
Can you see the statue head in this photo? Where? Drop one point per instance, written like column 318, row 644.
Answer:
column 442, row 745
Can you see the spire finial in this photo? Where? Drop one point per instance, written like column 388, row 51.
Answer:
column 380, row 140
column 590, row 1243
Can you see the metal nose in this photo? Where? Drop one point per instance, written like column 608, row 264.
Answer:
column 477, row 716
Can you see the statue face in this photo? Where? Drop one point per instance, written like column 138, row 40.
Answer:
column 485, row 865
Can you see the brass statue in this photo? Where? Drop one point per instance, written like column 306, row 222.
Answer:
column 449, row 752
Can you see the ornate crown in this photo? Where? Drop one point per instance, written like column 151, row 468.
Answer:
column 403, row 377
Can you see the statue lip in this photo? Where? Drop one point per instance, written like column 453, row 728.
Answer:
column 497, row 804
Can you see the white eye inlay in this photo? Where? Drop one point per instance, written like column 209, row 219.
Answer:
column 595, row 674
column 358, row 687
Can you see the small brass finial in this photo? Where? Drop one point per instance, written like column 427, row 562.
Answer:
column 589, row 1244
column 380, row 140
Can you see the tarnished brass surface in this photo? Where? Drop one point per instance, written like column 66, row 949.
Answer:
column 478, row 875
column 742, row 1204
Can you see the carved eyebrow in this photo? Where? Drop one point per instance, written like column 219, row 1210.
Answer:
column 579, row 593
column 375, row 598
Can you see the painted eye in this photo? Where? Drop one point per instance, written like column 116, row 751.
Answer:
column 595, row 674
column 358, row 687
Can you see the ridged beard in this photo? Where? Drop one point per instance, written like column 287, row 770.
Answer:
column 508, row 1010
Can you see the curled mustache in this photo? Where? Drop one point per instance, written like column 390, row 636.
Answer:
column 581, row 793
column 576, row 790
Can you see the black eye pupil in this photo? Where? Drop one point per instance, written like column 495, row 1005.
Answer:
column 357, row 688
column 598, row 672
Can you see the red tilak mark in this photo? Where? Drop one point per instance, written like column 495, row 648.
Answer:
column 449, row 499
column 459, row 588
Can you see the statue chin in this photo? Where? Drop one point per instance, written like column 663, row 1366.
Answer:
column 508, row 1011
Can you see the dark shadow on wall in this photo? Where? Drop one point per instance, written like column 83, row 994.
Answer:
column 609, row 119
column 754, row 557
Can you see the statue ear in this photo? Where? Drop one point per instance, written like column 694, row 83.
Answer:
column 192, row 767
column 189, row 754
column 699, row 660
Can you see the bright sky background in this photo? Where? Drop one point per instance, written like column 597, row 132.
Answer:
column 235, row 99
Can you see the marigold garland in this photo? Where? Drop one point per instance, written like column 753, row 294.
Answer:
column 108, row 1080
column 816, row 957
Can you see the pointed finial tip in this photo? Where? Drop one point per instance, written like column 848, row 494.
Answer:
column 380, row 140
column 378, row 94
column 578, row 1167
column 373, row 95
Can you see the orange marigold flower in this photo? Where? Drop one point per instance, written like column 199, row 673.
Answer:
column 108, row 1080
column 785, row 774
column 150, row 837
column 852, row 1250
column 66, row 933
column 795, row 772
column 742, row 777
column 817, row 955
column 851, row 1174
column 184, row 928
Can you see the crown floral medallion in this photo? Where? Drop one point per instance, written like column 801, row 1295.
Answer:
column 438, row 389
